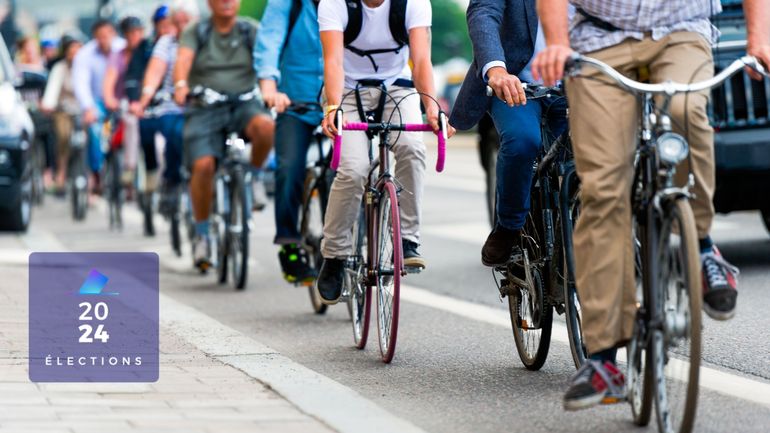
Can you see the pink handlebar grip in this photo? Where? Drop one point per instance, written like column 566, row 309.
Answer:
column 336, row 151
column 441, row 152
column 356, row 126
column 417, row 127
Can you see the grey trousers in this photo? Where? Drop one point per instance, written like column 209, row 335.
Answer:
column 348, row 187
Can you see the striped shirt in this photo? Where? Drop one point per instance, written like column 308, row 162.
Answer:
column 637, row 17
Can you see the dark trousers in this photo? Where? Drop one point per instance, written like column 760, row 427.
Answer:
column 292, row 141
column 171, row 127
column 520, row 141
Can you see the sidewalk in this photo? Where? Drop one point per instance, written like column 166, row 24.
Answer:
column 195, row 393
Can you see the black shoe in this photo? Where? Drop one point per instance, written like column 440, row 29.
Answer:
column 329, row 283
column 149, row 225
column 412, row 257
column 499, row 246
column 295, row 265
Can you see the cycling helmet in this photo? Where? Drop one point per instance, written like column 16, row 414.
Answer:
column 130, row 23
column 161, row 13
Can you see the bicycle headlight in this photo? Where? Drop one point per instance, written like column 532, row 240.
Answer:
column 672, row 148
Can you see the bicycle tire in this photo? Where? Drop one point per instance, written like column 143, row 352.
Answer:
column 219, row 237
column 357, row 281
column 176, row 235
column 639, row 376
column 677, row 233
column 388, row 272
column 238, row 229
column 313, row 213
column 532, row 344
column 570, row 212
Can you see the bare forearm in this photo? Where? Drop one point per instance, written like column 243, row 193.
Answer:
column 183, row 65
column 423, row 82
column 757, row 14
column 153, row 77
column 555, row 21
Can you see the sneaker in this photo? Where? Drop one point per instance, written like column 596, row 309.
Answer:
column 201, row 253
column 499, row 246
column 595, row 383
column 329, row 283
column 720, row 285
column 412, row 257
column 258, row 195
column 296, row 265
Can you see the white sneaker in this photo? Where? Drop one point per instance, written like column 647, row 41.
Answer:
column 258, row 195
column 201, row 253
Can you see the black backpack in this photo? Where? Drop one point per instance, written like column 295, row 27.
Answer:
column 247, row 30
column 396, row 22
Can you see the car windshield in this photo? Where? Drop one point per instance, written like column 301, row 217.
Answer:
column 5, row 62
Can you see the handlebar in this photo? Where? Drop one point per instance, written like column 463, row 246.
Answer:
column 669, row 88
column 380, row 127
column 212, row 97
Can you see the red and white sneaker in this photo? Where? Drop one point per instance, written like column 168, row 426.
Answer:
column 595, row 383
column 720, row 285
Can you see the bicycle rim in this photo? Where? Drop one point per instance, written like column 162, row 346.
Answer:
column 388, row 271
column 176, row 235
column 676, row 349
column 311, row 232
column 238, row 231
column 356, row 282
column 639, row 377
column 532, row 338
column 573, row 312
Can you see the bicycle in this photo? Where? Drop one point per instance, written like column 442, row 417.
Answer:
column 113, row 132
column 540, row 276
column 668, row 322
column 77, row 170
column 377, row 257
column 229, row 221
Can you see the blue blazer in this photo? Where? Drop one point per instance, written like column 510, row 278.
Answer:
column 499, row 29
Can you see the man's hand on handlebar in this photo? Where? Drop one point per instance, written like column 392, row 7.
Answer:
column 549, row 64
column 329, row 124
column 762, row 53
column 180, row 95
column 434, row 120
column 272, row 97
column 507, row 87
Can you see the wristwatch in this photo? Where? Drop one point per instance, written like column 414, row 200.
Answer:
column 180, row 84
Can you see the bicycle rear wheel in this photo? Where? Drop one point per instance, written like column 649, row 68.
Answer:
column 311, row 230
column 238, row 228
column 78, row 184
column 114, row 189
column 388, row 266
column 676, row 349
column 572, row 310
column 357, row 282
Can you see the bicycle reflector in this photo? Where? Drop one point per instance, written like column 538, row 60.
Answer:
column 672, row 148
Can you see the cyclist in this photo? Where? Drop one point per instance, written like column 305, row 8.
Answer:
column 217, row 54
column 287, row 41
column 170, row 127
column 504, row 41
column 89, row 67
column 59, row 99
column 378, row 53
column 672, row 38
column 114, row 92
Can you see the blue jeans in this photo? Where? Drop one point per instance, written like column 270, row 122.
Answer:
column 520, row 142
column 171, row 127
column 95, row 154
column 292, row 141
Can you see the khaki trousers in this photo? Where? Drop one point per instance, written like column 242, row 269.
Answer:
column 604, row 121
column 348, row 187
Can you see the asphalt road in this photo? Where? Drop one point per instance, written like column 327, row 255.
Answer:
column 452, row 372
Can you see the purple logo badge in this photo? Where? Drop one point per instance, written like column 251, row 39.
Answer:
column 93, row 317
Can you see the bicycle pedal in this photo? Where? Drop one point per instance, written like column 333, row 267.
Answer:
column 608, row 400
column 412, row 270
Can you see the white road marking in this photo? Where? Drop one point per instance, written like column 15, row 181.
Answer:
column 473, row 233
column 715, row 380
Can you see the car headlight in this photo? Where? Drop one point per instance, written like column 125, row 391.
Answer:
column 672, row 148
column 5, row 158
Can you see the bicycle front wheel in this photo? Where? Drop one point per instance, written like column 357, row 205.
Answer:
column 357, row 283
column 388, row 268
column 572, row 310
column 676, row 348
column 238, row 228
column 311, row 230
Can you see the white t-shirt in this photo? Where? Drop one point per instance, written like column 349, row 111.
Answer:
column 374, row 35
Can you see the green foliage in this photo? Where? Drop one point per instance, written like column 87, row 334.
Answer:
column 450, row 32
column 253, row 8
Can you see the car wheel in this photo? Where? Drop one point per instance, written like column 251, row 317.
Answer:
column 766, row 219
column 18, row 216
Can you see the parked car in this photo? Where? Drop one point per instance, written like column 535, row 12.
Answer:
column 741, row 121
column 16, row 135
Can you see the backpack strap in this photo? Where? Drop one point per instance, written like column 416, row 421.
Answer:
column 248, row 34
column 397, row 21
column 247, row 31
column 296, row 9
column 355, row 20
column 202, row 34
